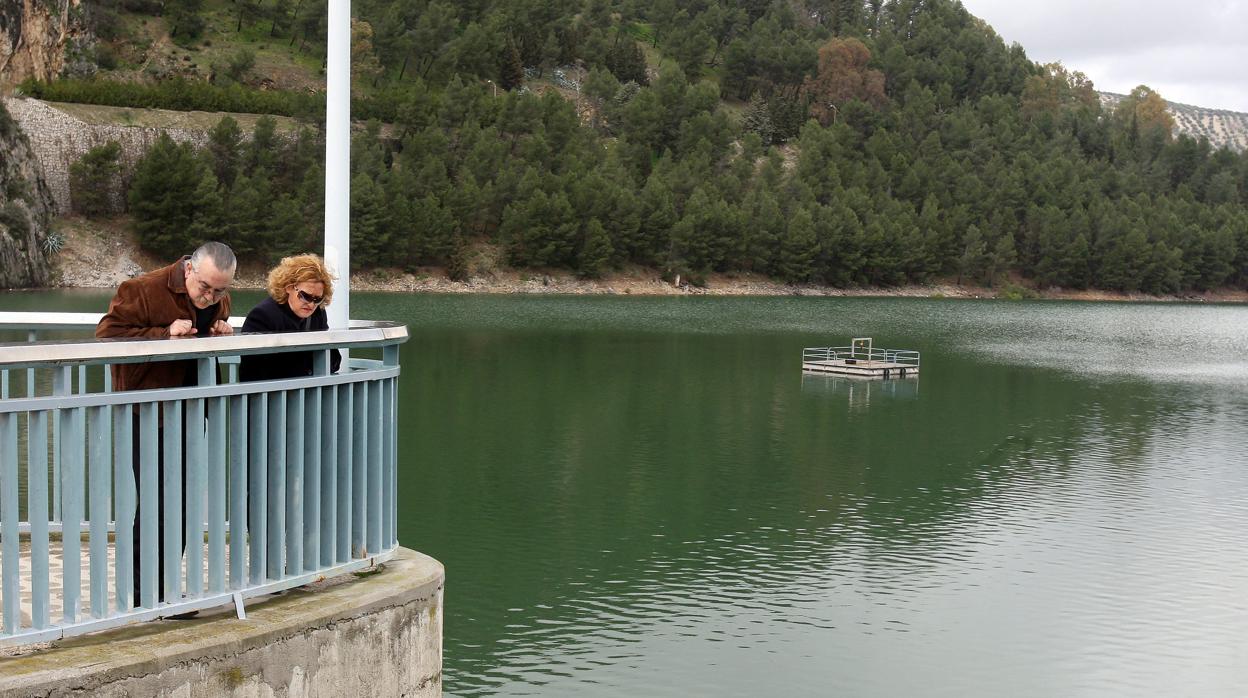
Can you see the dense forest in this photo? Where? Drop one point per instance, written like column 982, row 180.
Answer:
column 841, row 142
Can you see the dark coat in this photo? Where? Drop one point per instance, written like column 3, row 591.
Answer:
column 146, row 306
column 271, row 316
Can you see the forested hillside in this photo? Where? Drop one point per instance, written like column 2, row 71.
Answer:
column 847, row 143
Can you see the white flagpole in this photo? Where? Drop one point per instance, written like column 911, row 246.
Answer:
column 338, row 161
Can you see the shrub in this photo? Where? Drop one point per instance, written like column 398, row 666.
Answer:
column 93, row 179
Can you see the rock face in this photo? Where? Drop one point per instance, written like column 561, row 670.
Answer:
column 39, row 38
column 25, row 210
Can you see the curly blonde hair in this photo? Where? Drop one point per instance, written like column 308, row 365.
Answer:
column 296, row 270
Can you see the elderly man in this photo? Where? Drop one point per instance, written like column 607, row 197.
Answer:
column 189, row 298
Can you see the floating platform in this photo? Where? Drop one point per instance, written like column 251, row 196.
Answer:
column 862, row 360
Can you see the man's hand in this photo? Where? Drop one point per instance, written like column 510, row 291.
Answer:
column 181, row 328
column 222, row 327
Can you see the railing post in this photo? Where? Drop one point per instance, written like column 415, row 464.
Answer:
column 295, row 441
column 359, row 473
column 37, row 512
column 238, row 491
column 149, row 504
column 72, row 485
column 258, row 468
column 329, row 473
column 125, row 509
column 60, row 388
column 9, row 550
column 101, row 428
column 172, row 477
column 217, row 444
column 389, row 422
column 345, row 477
column 376, row 450
column 196, row 459
column 277, row 488
column 313, row 457
column 311, row 515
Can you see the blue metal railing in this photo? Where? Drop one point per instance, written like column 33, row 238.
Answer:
column 286, row 482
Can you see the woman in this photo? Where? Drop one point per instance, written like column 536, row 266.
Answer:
column 299, row 289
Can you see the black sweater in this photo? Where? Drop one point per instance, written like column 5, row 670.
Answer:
column 271, row 316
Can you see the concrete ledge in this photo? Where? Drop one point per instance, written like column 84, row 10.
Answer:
column 375, row 633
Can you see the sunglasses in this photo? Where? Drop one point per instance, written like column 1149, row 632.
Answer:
column 309, row 298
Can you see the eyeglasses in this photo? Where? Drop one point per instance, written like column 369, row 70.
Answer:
column 205, row 288
column 309, row 298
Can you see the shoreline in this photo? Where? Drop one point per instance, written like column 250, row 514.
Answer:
column 640, row 283
column 102, row 254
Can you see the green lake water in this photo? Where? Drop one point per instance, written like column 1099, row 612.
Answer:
column 645, row 496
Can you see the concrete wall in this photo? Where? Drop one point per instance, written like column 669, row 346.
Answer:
column 375, row 635
column 59, row 140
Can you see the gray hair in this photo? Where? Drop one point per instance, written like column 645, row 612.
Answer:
column 220, row 253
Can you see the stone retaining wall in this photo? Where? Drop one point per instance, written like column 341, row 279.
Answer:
column 59, row 140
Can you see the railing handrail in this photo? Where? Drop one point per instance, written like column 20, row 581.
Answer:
column 363, row 333
column 902, row 356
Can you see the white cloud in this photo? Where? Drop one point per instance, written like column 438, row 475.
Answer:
column 1193, row 52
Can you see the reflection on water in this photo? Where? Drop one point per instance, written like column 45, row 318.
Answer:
column 641, row 496
column 858, row 391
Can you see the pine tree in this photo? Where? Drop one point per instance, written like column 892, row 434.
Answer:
column 457, row 262
column 288, row 231
column 757, row 119
column 225, row 146
column 762, row 228
column 262, row 152
column 433, row 232
column 595, row 251
column 658, row 218
column 798, row 248
column 93, row 179
column 1001, row 259
column 369, row 238
column 185, row 18
column 168, row 196
column 510, row 69
column 974, row 252
column 245, row 215
column 207, row 209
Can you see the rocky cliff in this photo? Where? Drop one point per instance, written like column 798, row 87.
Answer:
column 25, row 210
column 41, row 38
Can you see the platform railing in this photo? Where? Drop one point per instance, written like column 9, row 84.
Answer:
column 905, row 357
column 286, row 481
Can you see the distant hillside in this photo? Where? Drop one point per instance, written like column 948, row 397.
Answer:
column 1220, row 126
column 837, row 142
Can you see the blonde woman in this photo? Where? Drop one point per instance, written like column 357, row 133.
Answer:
column 299, row 289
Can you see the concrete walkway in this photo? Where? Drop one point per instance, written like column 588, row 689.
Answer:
column 371, row 633
column 56, row 581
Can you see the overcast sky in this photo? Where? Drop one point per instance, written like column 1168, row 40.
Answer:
column 1193, row 51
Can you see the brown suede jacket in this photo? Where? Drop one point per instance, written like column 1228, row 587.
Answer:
column 144, row 307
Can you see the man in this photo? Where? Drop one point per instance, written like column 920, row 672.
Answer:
column 189, row 298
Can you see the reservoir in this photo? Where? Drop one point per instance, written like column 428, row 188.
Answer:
column 646, row 496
